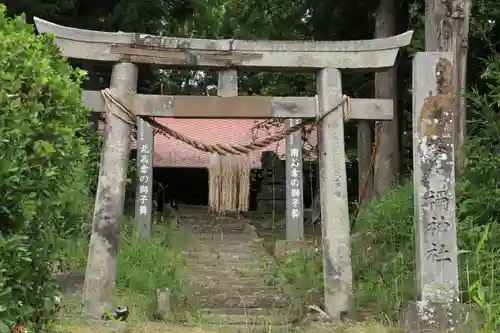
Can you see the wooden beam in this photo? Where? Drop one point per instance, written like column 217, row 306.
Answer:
column 375, row 54
column 237, row 107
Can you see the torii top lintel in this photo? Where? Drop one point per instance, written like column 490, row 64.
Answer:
column 374, row 54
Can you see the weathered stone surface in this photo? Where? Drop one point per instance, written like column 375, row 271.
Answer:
column 438, row 318
column 163, row 303
column 333, row 188
column 101, row 264
column 191, row 52
column 434, row 178
column 240, row 107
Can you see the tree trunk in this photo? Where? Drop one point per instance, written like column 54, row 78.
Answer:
column 447, row 30
column 387, row 161
column 365, row 146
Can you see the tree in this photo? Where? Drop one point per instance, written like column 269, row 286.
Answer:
column 387, row 161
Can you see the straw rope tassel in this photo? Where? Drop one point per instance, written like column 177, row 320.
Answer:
column 244, row 183
column 214, row 175
column 229, row 183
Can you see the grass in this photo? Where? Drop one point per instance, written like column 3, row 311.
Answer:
column 143, row 267
column 384, row 265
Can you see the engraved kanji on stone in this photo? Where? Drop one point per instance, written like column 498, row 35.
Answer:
column 438, row 253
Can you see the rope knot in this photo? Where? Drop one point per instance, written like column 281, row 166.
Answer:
column 346, row 107
column 122, row 112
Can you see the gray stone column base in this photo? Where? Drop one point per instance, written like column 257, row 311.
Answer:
column 438, row 318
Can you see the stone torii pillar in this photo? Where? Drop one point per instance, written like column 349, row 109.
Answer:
column 325, row 57
column 101, row 274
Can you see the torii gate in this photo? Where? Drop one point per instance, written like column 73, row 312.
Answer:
column 325, row 58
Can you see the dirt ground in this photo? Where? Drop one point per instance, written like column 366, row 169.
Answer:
column 153, row 327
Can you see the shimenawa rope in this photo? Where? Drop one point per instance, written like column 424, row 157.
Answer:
column 222, row 149
column 229, row 165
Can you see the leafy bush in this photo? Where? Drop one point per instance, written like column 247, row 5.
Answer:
column 43, row 189
column 18, row 279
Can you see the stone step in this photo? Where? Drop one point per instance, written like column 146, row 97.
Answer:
column 246, row 316
column 223, row 265
column 210, row 263
column 218, row 229
column 216, row 256
column 264, row 301
column 235, row 301
column 247, row 282
column 222, row 271
column 198, row 244
column 233, row 289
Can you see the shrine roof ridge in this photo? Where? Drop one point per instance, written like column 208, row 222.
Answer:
column 193, row 52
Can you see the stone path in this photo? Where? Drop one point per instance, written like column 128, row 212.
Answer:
column 224, row 260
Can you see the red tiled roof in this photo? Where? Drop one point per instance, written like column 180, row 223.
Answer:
column 172, row 153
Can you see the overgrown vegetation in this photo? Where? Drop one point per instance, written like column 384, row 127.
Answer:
column 43, row 186
column 143, row 267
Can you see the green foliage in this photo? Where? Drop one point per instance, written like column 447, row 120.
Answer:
column 483, row 158
column 25, row 293
column 299, row 276
column 143, row 266
column 44, row 191
column 383, row 251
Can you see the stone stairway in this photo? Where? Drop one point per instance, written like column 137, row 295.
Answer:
column 224, row 259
